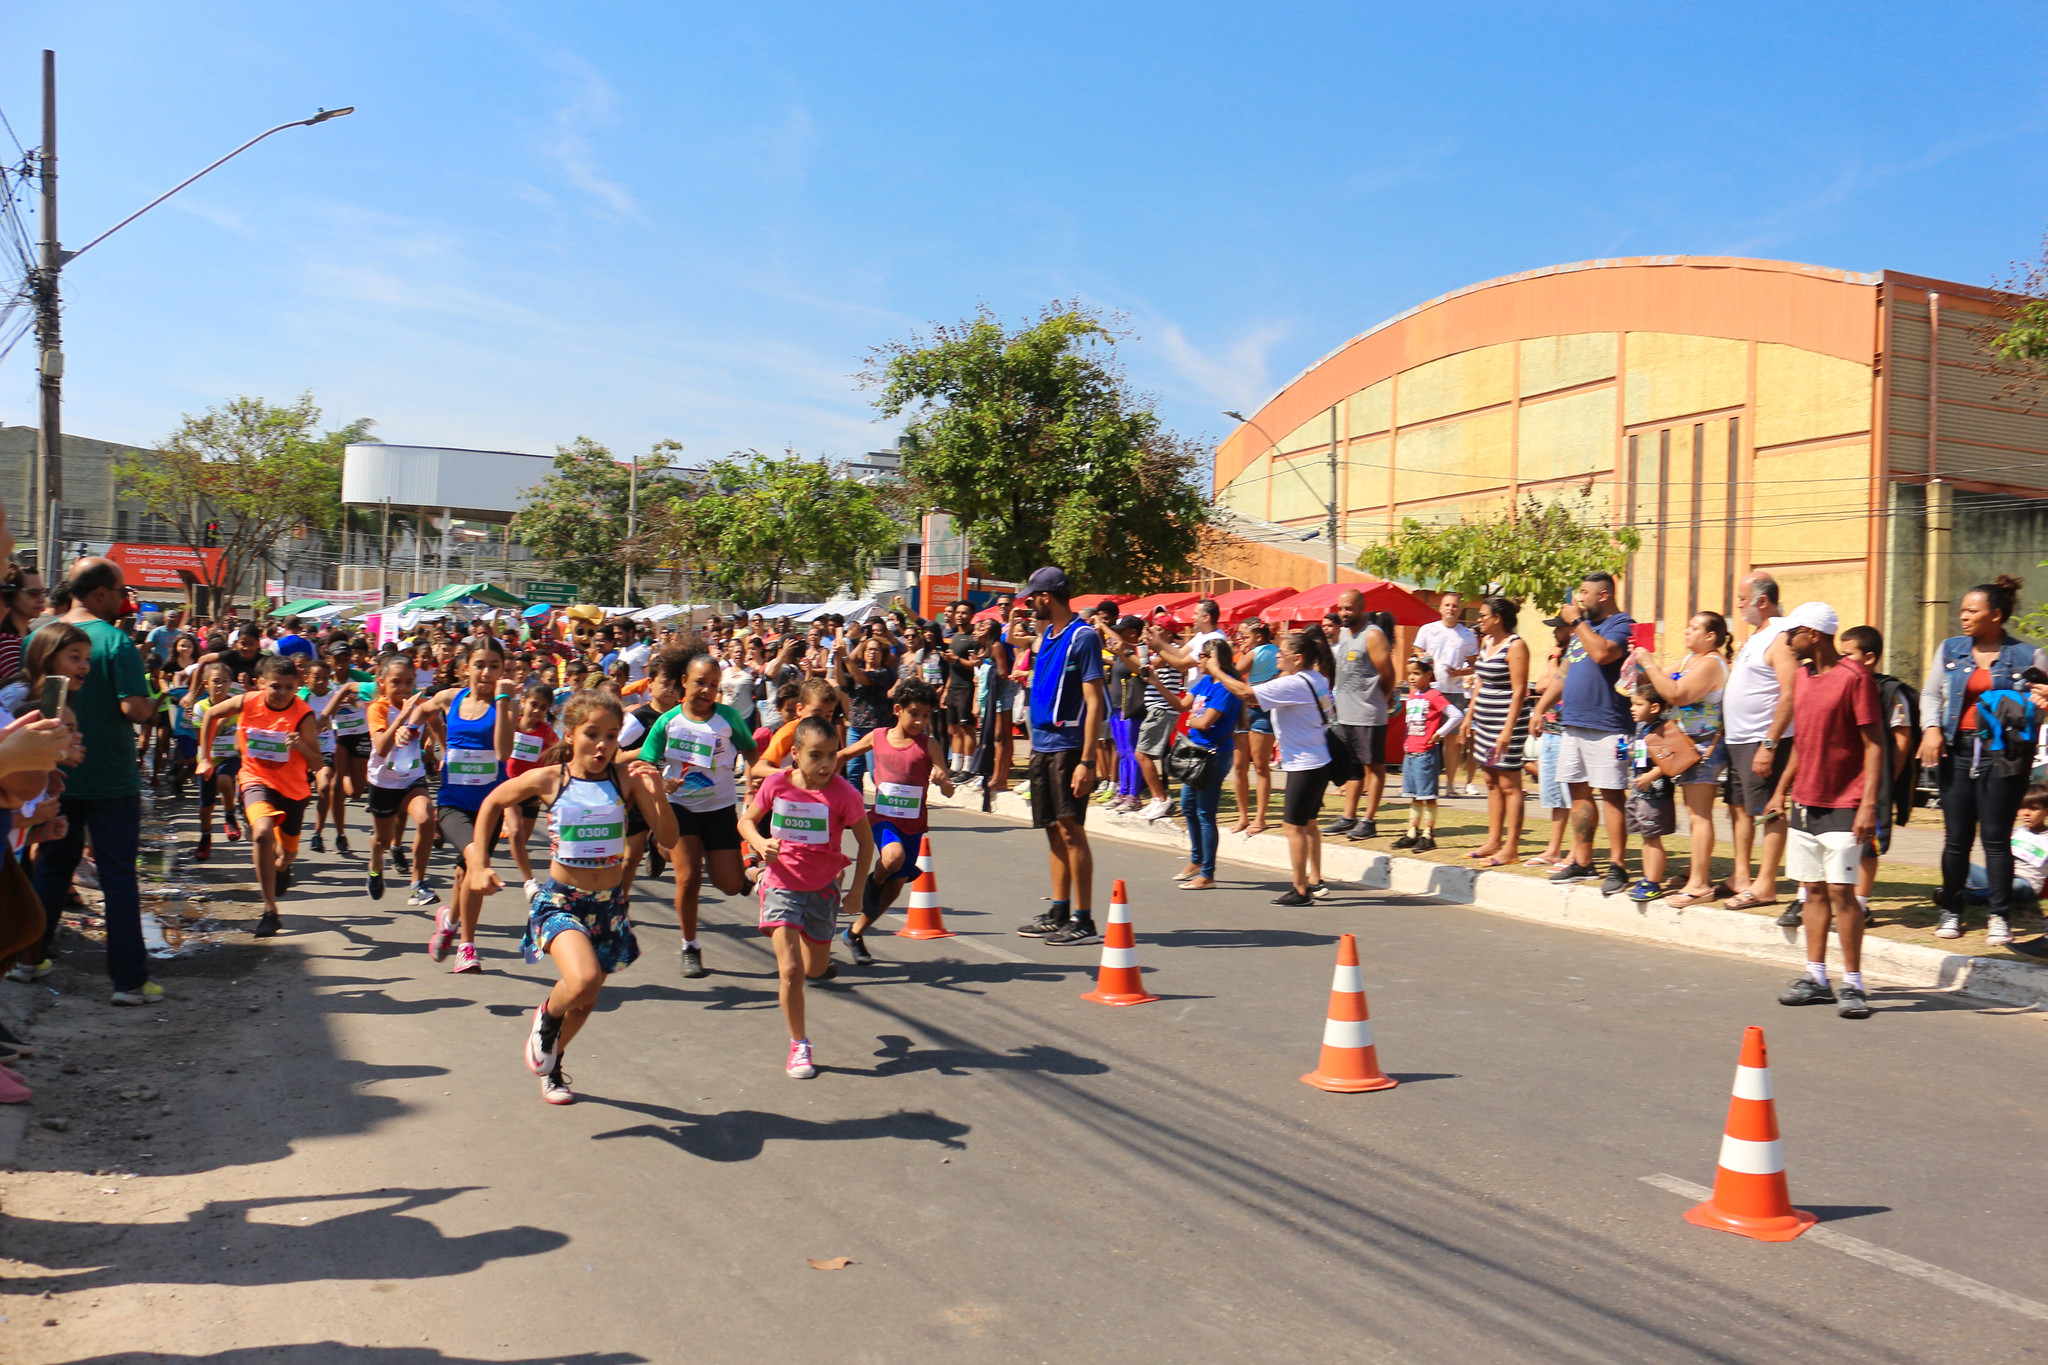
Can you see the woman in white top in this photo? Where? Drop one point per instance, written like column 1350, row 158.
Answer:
column 1692, row 697
column 1301, row 705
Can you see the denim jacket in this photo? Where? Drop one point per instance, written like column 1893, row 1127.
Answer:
column 1949, row 676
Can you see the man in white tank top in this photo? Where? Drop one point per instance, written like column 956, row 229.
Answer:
column 1757, row 710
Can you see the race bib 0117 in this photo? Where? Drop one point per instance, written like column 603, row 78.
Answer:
column 898, row 800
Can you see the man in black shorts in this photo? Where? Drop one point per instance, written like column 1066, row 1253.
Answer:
column 1067, row 706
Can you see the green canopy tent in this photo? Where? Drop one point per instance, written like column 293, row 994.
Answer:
column 301, row 607
column 449, row 596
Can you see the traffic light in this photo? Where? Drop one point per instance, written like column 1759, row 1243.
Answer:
column 213, row 533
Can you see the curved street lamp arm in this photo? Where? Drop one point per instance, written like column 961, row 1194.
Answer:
column 1274, row 446
column 321, row 117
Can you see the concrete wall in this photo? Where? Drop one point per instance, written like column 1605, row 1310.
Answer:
column 1993, row 535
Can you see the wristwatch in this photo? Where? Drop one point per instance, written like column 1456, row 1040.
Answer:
column 1769, row 745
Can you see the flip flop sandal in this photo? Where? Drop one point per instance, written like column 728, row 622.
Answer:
column 1538, row 860
column 1745, row 901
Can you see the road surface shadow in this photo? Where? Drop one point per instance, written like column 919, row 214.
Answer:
column 1836, row 1213
column 901, row 1056
column 341, row 1353
column 1416, row 1077
column 219, row 1244
column 1237, row 938
column 740, row 1134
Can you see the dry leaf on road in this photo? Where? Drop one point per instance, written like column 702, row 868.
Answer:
column 836, row 1263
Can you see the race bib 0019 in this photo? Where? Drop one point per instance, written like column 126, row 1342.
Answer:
column 801, row 822
column 898, row 800
column 471, row 767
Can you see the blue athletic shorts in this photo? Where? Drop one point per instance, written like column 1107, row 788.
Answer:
column 887, row 834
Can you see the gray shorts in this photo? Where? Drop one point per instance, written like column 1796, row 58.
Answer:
column 1155, row 733
column 1745, row 788
column 814, row 914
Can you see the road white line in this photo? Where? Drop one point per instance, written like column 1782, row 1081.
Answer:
column 989, row 949
column 1890, row 1260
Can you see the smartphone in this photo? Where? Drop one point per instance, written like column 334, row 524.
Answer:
column 51, row 703
column 1643, row 635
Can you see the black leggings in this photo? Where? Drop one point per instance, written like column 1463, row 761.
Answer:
column 1983, row 807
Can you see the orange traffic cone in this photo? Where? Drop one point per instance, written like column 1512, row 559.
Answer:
column 1118, row 982
column 924, row 918
column 1749, row 1186
column 1350, row 1062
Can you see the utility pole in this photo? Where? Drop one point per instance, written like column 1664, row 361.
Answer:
column 1333, row 493
column 49, row 345
column 632, row 523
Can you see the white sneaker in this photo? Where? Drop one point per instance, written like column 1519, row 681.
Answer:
column 532, row 888
column 1155, row 809
column 1997, row 932
column 800, row 1066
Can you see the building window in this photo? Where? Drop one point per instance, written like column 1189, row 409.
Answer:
column 1734, row 470
column 73, row 523
column 1663, row 513
column 1699, row 484
column 1629, row 518
column 120, row 523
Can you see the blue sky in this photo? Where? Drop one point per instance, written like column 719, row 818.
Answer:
column 692, row 221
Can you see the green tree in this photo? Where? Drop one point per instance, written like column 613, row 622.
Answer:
column 760, row 523
column 255, row 470
column 1536, row 555
column 575, row 519
column 1033, row 441
column 2018, row 344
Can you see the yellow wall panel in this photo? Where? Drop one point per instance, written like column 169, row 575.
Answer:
column 1812, row 505
column 1301, row 487
column 1458, row 383
column 1560, row 362
column 1566, row 436
column 1247, row 492
column 1672, row 375
column 1803, row 396
column 1371, row 408
column 1840, row 586
column 1365, row 472
column 1314, row 432
column 1367, row 529
column 1452, row 458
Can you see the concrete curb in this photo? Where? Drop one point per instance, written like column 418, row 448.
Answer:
column 1707, row 927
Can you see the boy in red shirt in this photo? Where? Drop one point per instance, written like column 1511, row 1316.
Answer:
column 1428, row 713
column 1830, row 787
column 807, row 808
column 906, row 758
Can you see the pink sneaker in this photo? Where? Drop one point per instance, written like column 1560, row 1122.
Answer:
column 443, row 936
column 466, row 959
column 13, row 1090
column 800, row 1060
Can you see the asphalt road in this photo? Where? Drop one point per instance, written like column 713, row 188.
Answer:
column 1019, row 1175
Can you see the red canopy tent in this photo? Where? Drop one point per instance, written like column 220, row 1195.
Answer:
column 1304, row 607
column 1089, row 601
column 1143, row 607
column 997, row 612
column 1233, row 607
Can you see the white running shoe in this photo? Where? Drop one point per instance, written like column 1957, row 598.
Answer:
column 532, row 888
column 800, row 1060
column 443, row 936
column 540, row 1059
column 554, row 1087
column 1155, row 809
column 1997, row 932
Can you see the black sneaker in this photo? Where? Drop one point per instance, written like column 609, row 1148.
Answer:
column 1807, row 991
column 1340, row 826
column 1854, row 1005
column 281, row 881
column 1044, row 926
column 1573, row 872
column 857, row 944
column 1794, row 915
column 1366, row 829
column 376, row 881
column 1406, row 841
column 1291, row 897
column 268, row 925
column 831, row 970
column 693, row 964
column 1616, row 880
column 1425, row 844
column 319, row 843
column 341, row 845
column 1076, row 932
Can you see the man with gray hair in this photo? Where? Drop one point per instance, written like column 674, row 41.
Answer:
column 1756, row 707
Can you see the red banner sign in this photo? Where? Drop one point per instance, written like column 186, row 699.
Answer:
column 155, row 567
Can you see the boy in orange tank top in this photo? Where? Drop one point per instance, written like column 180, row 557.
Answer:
column 279, row 739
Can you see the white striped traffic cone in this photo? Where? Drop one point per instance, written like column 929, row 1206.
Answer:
column 1118, row 982
column 1749, row 1197
column 924, row 918
column 1350, row 1062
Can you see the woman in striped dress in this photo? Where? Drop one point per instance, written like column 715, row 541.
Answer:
column 1497, row 725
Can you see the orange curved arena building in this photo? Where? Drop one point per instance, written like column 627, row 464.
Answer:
column 1740, row 413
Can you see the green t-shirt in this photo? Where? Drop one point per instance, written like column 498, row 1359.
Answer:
column 700, row 752
column 108, row 772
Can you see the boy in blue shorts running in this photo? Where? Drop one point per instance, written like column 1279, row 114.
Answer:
column 907, row 757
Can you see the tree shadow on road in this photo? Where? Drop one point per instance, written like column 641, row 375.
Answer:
column 220, row 1245
column 341, row 1353
column 740, row 1134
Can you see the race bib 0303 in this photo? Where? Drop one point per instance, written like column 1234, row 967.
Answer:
column 801, row 822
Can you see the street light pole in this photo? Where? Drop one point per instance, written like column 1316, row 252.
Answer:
column 1329, row 507
column 43, row 287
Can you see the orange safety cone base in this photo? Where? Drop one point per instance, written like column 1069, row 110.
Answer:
column 1098, row 997
column 1782, row 1228
column 1345, row 1085
column 914, row 932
